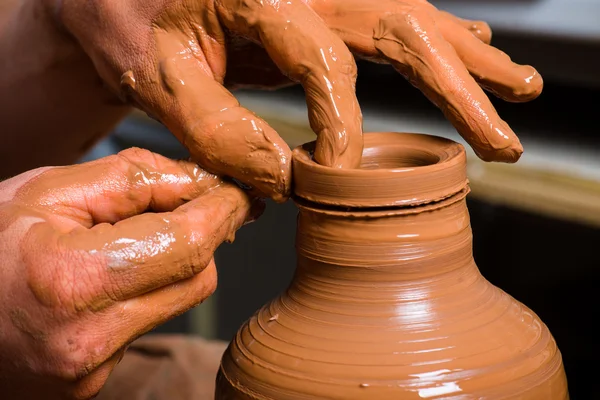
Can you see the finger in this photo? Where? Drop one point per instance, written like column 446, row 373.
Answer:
column 152, row 309
column 149, row 251
column 480, row 29
column 492, row 68
column 306, row 51
column 117, row 187
column 125, row 321
column 413, row 45
column 90, row 384
column 223, row 137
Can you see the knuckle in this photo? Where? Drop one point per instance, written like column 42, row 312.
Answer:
column 46, row 270
column 71, row 359
column 64, row 279
column 85, row 283
column 192, row 260
column 348, row 64
column 179, row 223
column 210, row 282
column 135, row 166
column 404, row 22
column 88, row 282
column 203, row 286
column 405, row 36
column 135, row 155
column 115, row 288
column 203, row 254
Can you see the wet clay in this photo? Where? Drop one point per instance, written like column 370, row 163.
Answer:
column 446, row 58
column 387, row 301
column 158, row 221
column 396, row 170
column 179, row 60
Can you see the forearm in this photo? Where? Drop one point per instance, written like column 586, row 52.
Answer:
column 53, row 106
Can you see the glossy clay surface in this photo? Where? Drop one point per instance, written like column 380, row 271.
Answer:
column 389, row 304
column 396, row 170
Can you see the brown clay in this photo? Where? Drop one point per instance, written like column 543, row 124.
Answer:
column 397, row 170
column 387, row 302
column 178, row 61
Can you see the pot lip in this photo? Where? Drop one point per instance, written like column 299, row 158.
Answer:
column 430, row 168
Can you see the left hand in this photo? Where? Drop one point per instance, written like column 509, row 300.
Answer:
column 94, row 255
column 174, row 58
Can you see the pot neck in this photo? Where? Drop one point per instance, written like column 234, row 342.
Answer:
column 418, row 244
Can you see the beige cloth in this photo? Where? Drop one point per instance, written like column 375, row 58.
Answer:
column 166, row 367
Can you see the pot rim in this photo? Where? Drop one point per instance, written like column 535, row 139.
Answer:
column 397, row 170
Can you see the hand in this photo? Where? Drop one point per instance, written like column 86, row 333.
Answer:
column 446, row 57
column 174, row 58
column 97, row 254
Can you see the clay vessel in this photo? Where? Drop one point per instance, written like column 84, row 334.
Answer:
column 387, row 302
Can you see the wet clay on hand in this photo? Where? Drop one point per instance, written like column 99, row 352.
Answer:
column 97, row 254
column 387, row 302
column 447, row 58
column 175, row 60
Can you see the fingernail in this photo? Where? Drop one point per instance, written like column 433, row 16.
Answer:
column 510, row 154
column 281, row 195
column 531, row 85
column 482, row 31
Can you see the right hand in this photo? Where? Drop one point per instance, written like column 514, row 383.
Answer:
column 176, row 59
column 92, row 256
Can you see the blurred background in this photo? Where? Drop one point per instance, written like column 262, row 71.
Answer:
column 535, row 223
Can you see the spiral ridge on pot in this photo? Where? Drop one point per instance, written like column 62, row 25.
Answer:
column 388, row 303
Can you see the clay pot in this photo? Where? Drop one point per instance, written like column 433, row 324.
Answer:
column 387, row 302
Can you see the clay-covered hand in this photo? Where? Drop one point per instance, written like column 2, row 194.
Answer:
column 449, row 59
column 175, row 58
column 97, row 254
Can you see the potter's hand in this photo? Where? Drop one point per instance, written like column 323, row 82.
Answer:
column 174, row 59
column 447, row 58
column 85, row 269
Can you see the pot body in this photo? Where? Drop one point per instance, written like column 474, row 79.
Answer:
column 387, row 302
column 390, row 305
